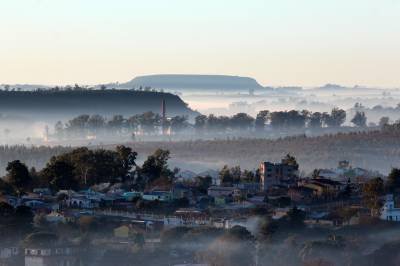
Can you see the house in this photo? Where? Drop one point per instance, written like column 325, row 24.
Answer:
column 322, row 187
column 42, row 191
column 180, row 191
column 122, row 231
column 59, row 217
column 277, row 174
column 217, row 191
column 389, row 212
column 56, row 255
column 280, row 213
column 248, row 188
column 328, row 174
column 301, row 194
column 9, row 253
column 12, row 200
column 131, row 195
column 82, row 202
column 222, row 200
column 35, row 204
column 164, row 196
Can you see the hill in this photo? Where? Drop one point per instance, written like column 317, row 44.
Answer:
column 58, row 104
column 194, row 82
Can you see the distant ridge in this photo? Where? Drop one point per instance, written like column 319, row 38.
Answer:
column 69, row 103
column 194, row 82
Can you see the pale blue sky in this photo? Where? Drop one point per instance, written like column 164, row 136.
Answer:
column 281, row 42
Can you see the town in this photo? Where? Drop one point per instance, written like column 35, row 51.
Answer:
column 93, row 207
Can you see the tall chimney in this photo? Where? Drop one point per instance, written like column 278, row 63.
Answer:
column 164, row 116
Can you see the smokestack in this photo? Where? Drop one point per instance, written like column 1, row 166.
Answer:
column 164, row 118
column 163, row 109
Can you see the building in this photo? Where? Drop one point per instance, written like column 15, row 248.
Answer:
column 82, row 202
column 180, row 191
column 51, row 256
column 217, row 191
column 131, row 195
column 164, row 196
column 277, row 174
column 9, row 254
column 389, row 212
column 301, row 195
column 322, row 187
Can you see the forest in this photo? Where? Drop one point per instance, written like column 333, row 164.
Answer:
column 265, row 124
column 375, row 150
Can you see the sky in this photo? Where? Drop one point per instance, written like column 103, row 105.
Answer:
column 277, row 42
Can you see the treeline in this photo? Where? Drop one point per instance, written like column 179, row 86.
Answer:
column 82, row 168
column 76, row 87
column 150, row 123
column 375, row 150
column 147, row 123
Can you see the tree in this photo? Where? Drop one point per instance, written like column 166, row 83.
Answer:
column 383, row 121
column 248, row 176
column 6, row 211
column 359, row 119
column 236, row 174
column 261, row 119
column 203, row 183
column 132, row 123
column 178, row 123
column 60, row 175
column 200, row 123
column 128, row 158
column 78, row 125
column 95, row 123
column 18, row 176
column 5, row 188
column 149, row 121
column 296, row 217
column 290, row 160
column 336, row 118
column 393, row 180
column 116, row 123
column 316, row 120
column 225, row 176
column 371, row 192
column 23, row 217
column 241, row 121
column 156, row 166
column 59, row 129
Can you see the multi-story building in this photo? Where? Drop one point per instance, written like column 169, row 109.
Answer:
column 273, row 174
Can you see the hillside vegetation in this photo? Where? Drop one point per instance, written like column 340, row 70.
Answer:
column 376, row 150
column 71, row 102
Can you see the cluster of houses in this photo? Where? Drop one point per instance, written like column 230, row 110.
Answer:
column 279, row 189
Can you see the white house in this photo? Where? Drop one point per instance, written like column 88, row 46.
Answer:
column 389, row 212
column 157, row 195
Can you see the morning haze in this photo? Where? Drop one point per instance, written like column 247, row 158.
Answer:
column 199, row 133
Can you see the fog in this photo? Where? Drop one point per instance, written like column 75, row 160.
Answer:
column 91, row 240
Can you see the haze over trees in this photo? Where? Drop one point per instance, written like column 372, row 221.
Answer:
column 240, row 124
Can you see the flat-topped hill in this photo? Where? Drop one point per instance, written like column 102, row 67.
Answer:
column 194, row 82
